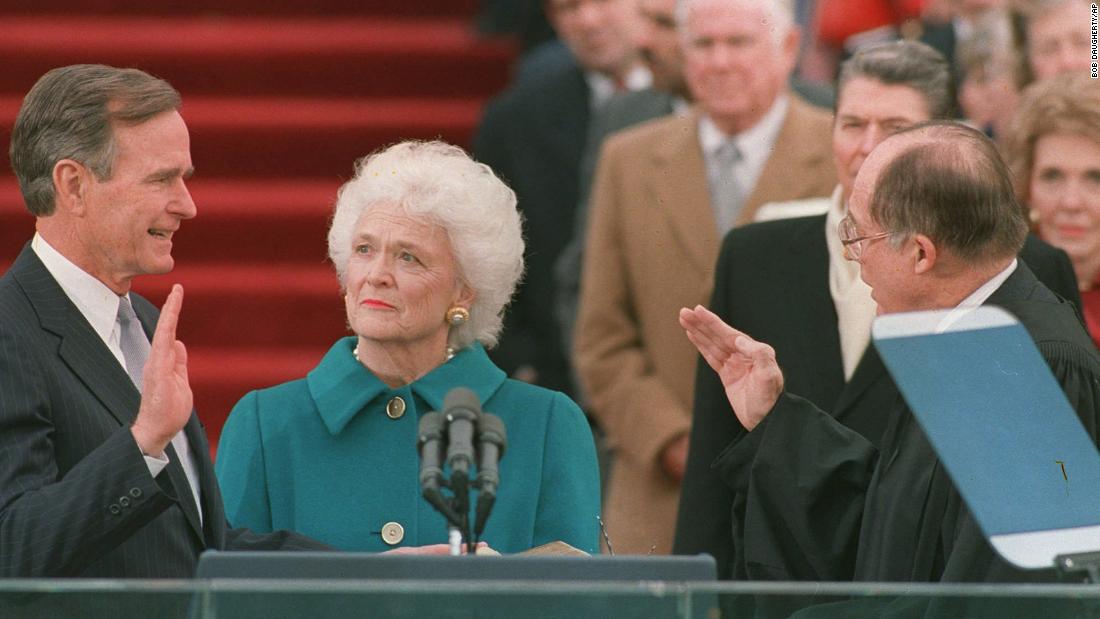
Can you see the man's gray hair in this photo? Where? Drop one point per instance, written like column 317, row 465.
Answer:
column 70, row 113
column 443, row 185
column 950, row 184
column 782, row 10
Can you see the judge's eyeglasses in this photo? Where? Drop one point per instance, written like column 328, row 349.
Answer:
column 853, row 245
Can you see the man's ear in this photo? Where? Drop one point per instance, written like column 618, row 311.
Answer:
column 926, row 254
column 789, row 47
column 70, row 182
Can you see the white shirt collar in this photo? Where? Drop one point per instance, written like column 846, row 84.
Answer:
column 757, row 140
column 602, row 87
column 96, row 302
column 977, row 298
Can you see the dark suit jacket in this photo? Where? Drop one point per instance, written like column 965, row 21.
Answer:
column 76, row 497
column 533, row 136
column 771, row 281
column 889, row 511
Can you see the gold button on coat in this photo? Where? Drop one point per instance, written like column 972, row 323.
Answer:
column 393, row 533
column 395, row 408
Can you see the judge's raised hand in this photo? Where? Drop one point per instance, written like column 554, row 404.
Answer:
column 747, row 368
column 166, row 399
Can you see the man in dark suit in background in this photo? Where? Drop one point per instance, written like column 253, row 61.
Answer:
column 533, row 135
column 105, row 470
column 658, row 44
column 787, row 283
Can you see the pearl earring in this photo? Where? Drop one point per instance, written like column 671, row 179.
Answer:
column 457, row 316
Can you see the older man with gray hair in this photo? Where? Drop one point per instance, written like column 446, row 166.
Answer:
column 933, row 224
column 665, row 194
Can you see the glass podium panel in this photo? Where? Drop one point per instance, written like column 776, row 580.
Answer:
column 313, row 599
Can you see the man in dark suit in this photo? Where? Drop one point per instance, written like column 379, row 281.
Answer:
column 786, row 283
column 105, row 469
column 933, row 224
column 658, row 44
column 533, row 136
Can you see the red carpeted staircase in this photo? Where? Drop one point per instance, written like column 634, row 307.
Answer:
column 281, row 97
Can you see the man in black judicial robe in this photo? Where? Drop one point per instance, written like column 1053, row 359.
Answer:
column 787, row 283
column 820, row 500
column 785, row 263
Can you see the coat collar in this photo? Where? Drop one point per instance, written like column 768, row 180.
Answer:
column 341, row 387
column 794, row 150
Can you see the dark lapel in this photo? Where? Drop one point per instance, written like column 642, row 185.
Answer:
column 80, row 349
column 819, row 340
column 869, row 371
column 85, row 354
column 563, row 116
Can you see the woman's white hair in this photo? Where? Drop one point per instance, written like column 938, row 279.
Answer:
column 442, row 184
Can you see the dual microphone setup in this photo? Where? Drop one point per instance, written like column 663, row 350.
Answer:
column 457, row 439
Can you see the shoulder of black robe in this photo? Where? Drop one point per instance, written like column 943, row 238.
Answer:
column 1053, row 268
column 916, row 526
column 1073, row 359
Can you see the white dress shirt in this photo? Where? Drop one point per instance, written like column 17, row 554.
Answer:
column 976, row 298
column 602, row 87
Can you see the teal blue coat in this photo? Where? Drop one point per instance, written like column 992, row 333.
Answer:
column 321, row 457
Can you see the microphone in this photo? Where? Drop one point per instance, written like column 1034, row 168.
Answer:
column 491, row 443
column 430, row 444
column 461, row 408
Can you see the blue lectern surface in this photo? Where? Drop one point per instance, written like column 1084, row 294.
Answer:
column 1002, row 427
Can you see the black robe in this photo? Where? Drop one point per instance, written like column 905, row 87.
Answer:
column 821, row 502
column 783, row 268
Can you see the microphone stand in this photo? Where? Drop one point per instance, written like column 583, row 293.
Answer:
column 433, row 441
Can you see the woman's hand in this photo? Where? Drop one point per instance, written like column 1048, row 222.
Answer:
column 747, row 368
column 439, row 549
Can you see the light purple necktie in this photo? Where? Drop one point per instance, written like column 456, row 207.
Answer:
column 135, row 346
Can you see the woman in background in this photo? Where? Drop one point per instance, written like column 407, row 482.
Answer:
column 1053, row 148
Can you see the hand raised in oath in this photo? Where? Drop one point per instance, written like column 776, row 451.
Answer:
column 747, row 368
column 166, row 398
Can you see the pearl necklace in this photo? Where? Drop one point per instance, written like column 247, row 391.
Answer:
column 450, row 354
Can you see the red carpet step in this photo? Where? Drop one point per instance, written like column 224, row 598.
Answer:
column 353, row 57
column 289, row 138
column 254, row 305
column 423, row 8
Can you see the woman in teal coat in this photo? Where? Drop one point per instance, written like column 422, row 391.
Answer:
column 427, row 246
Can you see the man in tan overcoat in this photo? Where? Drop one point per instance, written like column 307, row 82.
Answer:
column 665, row 194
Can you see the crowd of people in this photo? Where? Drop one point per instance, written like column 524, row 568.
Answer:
column 659, row 265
